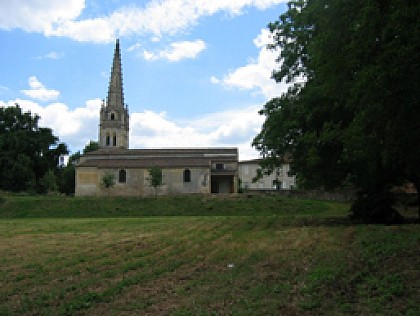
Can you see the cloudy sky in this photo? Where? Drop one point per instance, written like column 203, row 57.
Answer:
column 195, row 72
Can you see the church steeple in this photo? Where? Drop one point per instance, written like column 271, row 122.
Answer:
column 114, row 119
column 115, row 91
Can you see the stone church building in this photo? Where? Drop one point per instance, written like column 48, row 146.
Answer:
column 184, row 170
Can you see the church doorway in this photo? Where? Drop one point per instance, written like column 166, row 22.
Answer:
column 222, row 184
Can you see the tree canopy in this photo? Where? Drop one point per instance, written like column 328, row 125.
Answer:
column 351, row 115
column 28, row 153
column 91, row 146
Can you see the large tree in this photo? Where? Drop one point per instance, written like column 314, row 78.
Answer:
column 27, row 152
column 356, row 118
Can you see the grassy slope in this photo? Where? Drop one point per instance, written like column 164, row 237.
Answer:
column 193, row 205
column 286, row 260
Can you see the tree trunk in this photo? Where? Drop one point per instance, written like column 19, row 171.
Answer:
column 416, row 182
column 418, row 201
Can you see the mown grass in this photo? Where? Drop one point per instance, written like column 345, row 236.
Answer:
column 281, row 260
column 193, row 205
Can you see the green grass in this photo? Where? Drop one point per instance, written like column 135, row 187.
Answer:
column 64, row 256
column 193, row 205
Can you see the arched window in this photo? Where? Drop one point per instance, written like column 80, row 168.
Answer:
column 108, row 141
column 114, row 140
column 187, row 175
column 112, row 116
column 122, row 176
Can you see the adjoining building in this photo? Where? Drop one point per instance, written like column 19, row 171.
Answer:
column 184, row 170
column 279, row 179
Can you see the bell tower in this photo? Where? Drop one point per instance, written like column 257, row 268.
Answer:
column 114, row 119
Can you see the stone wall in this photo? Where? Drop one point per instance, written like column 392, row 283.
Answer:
column 89, row 182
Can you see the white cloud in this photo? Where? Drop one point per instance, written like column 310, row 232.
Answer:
column 51, row 55
column 157, row 17
column 263, row 39
column 177, row 51
column 100, row 30
column 232, row 128
column 256, row 75
column 38, row 16
column 3, row 88
column 39, row 92
column 134, row 47
column 214, row 80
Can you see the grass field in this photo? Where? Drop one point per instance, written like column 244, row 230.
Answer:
column 202, row 256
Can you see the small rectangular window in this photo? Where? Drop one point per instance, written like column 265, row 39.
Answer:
column 187, row 175
column 122, row 176
column 219, row 166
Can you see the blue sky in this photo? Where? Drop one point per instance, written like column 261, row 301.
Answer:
column 195, row 73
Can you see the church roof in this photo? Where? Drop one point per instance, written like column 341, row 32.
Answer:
column 164, row 158
column 167, row 152
column 147, row 162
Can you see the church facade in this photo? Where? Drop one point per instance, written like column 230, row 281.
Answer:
column 184, row 170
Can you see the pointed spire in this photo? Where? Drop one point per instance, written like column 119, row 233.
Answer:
column 115, row 91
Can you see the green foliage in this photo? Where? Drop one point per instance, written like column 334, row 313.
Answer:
column 92, row 146
column 17, row 174
column 74, row 158
column 67, row 179
column 49, row 182
column 258, row 176
column 27, row 152
column 355, row 119
column 108, row 180
column 155, row 178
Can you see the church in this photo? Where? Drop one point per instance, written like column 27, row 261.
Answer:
column 184, row 170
